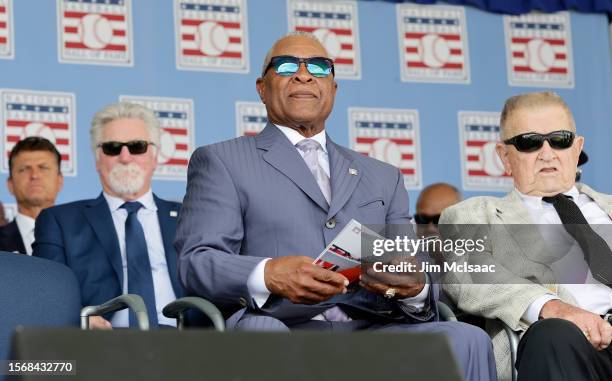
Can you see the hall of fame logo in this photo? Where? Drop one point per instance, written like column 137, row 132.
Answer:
column 539, row 50
column 481, row 167
column 211, row 35
column 335, row 25
column 10, row 211
column 95, row 32
column 433, row 44
column 176, row 120
column 6, row 29
column 251, row 118
column 50, row 115
column 389, row 135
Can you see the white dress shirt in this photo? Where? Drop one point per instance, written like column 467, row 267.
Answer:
column 592, row 295
column 256, row 281
column 25, row 224
column 147, row 216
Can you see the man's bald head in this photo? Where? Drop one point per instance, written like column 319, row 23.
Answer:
column 437, row 197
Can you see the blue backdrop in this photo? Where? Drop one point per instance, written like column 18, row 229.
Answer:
column 35, row 66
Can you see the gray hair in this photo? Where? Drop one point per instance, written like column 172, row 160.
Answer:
column 531, row 101
column 290, row 34
column 123, row 110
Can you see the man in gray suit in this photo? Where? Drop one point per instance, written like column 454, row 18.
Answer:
column 259, row 209
column 566, row 337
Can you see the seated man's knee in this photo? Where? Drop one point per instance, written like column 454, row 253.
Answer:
column 475, row 335
column 260, row 323
column 548, row 334
column 553, row 331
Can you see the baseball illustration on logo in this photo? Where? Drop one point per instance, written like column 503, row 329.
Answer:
column 386, row 150
column 432, row 43
column 177, row 139
column 94, row 32
column 39, row 129
column 335, row 25
column 330, row 40
column 211, row 35
column 491, row 163
column 538, row 50
column 389, row 135
column 167, row 149
column 481, row 167
column 212, row 38
column 50, row 115
column 434, row 50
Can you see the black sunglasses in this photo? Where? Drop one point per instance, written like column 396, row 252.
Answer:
column 423, row 219
column 532, row 141
column 135, row 147
column 287, row 66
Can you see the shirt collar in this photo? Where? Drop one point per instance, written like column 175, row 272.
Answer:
column 535, row 202
column 295, row 137
column 25, row 223
column 147, row 201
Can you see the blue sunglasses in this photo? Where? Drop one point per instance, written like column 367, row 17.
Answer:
column 287, row 66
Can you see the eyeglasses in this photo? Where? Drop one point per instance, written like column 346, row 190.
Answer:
column 423, row 219
column 532, row 141
column 287, row 66
column 135, row 147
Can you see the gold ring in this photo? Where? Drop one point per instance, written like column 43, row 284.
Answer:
column 390, row 293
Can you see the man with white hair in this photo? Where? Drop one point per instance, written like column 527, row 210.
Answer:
column 120, row 242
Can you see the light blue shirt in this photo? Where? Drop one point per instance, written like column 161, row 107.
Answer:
column 147, row 216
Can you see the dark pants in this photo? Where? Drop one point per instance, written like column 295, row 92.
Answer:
column 556, row 349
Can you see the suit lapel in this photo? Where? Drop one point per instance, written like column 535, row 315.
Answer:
column 99, row 217
column 345, row 174
column 19, row 240
column 512, row 212
column 11, row 237
column 167, row 214
column 285, row 158
column 603, row 200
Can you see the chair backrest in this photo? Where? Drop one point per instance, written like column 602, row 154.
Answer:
column 35, row 292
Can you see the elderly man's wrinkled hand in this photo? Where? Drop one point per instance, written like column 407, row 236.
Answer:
column 596, row 330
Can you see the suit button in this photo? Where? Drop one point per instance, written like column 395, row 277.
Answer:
column 242, row 302
column 331, row 223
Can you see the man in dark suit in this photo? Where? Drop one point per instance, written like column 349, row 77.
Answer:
column 258, row 210
column 35, row 179
column 120, row 242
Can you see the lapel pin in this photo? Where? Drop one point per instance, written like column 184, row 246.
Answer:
column 173, row 213
column 353, row 171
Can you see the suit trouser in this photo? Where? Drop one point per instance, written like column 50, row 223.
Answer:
column 556, row 349
column 471, row 345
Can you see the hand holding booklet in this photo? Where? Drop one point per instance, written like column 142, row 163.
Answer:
column 343, row 254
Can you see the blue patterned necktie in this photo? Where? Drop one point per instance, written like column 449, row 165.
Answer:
column 140, row 279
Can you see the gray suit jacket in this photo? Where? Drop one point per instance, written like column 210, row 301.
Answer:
column 254, row 197
column 522, row 263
